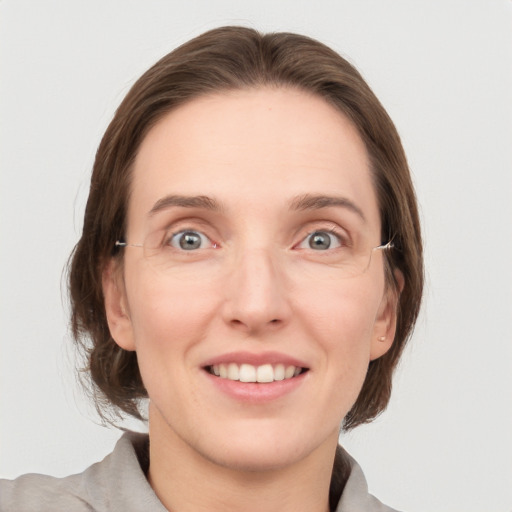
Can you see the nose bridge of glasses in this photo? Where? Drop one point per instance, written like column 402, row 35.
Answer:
column 256, row 286
column 256, row 264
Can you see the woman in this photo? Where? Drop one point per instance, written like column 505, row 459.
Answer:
column 251, row 262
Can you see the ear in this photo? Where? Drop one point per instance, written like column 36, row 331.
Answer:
column 385, row 322
column 116, row 307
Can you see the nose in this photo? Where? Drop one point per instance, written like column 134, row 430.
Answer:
column 256, row 297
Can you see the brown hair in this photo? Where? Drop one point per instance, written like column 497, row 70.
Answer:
column 226, row 59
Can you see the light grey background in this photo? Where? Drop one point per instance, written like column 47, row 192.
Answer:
column 442, row 68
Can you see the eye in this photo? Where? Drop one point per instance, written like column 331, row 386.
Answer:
column 321, row 241
column 190, row 240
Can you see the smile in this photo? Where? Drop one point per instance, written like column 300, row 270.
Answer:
column 264, row 373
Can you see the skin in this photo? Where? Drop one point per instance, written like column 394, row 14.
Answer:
column 255, row 286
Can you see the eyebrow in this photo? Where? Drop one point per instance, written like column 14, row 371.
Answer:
column 204, row 202
column 316, row 202
column 303, row 202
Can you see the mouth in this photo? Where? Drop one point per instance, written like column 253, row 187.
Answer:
column 262, row 374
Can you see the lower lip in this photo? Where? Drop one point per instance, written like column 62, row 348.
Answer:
column 256, row 392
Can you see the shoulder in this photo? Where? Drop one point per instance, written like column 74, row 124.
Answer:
column 117, row 483
column 33, row 492
column 355, row 496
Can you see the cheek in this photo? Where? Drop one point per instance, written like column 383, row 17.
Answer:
column 352, row 303
column 169, row 320
column 341, row 316
column 165, row 315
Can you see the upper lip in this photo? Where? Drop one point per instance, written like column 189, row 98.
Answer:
column 255, row 359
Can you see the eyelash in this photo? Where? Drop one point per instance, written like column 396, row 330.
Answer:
column 331, row 232
column 169, row 239
column 341, row 240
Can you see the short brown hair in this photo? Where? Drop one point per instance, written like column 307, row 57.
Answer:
column 231, row 58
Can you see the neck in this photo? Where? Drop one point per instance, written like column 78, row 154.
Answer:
column 186, row 481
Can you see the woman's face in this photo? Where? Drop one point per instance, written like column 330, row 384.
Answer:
column 254, row 207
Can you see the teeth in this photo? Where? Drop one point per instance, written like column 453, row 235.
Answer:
column 265, row 373
column 233, row 372
column 289, row 372
column 279, row 372
column 249, row 373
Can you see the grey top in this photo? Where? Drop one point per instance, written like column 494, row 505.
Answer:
column 118, row 484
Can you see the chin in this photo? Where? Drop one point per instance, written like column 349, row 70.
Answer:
column 263, row 452
column 252, row 459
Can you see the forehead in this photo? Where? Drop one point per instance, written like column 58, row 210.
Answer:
column 252, row 147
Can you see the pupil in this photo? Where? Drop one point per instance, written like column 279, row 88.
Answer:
column 190, row 241
column 320, row 241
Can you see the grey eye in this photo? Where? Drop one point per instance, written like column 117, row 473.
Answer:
column 189, row 240
column 319, row 240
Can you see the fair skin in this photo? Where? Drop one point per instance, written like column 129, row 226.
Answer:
column 250, row 289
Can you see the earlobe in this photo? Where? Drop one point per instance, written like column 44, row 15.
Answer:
column 385, row 324
column 118, row 318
